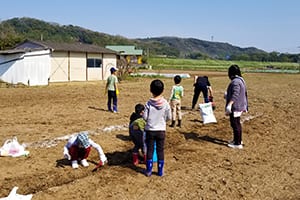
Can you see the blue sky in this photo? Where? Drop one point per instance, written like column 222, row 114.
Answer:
column 270, row 25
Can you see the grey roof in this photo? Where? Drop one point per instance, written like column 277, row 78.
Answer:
column 30, row 45
column 12, row 51
column 77, row 47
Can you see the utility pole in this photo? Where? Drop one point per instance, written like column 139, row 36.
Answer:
column 148, row 53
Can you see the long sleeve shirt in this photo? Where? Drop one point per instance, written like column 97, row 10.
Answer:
column 237, row 93
column 73, row 141
column 157, row 112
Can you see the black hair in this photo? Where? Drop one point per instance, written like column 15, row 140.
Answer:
column 234, row 71
column 139, row 108
column 177, row 79
column 156, row 87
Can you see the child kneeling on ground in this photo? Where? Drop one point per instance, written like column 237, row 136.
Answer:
column 78, row 148
column 137, row 133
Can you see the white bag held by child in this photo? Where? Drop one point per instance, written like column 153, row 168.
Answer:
column 207, row 113
column 12, row 148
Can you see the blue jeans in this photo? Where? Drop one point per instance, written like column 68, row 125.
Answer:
column 112, row 96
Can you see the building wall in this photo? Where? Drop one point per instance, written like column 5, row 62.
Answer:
column 71, row 66
column 78, row 66
column 37, row 67
column 109, row 61
column 59, row 67
column 95, row 73
column 30, row 68
column 134, row 59
column 12, row 69
column 8, row 64
column 140, row 59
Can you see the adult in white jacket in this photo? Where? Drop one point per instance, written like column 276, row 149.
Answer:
column 78, row 148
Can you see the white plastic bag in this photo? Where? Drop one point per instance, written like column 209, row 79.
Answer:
column 12, row 148
column 14, row 196
column 207, row 113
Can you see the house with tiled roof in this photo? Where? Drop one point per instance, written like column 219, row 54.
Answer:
column 41, row 62
column 130, row 53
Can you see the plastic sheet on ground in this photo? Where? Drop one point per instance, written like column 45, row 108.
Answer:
column 14, row 196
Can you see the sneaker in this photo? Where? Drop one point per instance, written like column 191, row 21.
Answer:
column 75, row 164
column 84, row 163
column 232, row 142
column 235, row 146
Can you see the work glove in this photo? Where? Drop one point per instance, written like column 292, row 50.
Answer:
column 103, row 160
column 228, row 109
column 67, row 155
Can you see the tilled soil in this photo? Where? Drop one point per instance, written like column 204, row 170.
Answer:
column 198, row 163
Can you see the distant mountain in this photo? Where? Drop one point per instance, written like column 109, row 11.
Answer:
column 189, row 46
column 15, row 30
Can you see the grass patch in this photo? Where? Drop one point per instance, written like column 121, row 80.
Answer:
column 219, row 65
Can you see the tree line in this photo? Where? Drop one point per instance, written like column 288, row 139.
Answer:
column 16, row 30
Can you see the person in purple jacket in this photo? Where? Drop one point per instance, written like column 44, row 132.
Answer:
column 236, row 104
column 157, row 112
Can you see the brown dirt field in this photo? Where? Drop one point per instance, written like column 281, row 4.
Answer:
column 198, row 163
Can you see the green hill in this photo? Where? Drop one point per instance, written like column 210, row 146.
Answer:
column 15, row 30
column 195, row 48
column 18, row 29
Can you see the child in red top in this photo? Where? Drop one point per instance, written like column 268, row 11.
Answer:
column 78, row 148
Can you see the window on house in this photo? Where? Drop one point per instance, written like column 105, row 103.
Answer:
column 94, row 62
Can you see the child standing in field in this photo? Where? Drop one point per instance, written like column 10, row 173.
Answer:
column 78, row 148
column 112, row 90
column 236, row 104
column 157, row 112
column 175, row 101
column 137, row 133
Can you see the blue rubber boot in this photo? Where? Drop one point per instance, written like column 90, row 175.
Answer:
column 149, row 165
column 160, row 167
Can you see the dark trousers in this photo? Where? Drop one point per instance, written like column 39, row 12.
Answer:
column 138, row 141
column 77, row 153
column 235, row 123
column 197, row 91
column 112, row 96
column 159, row 138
